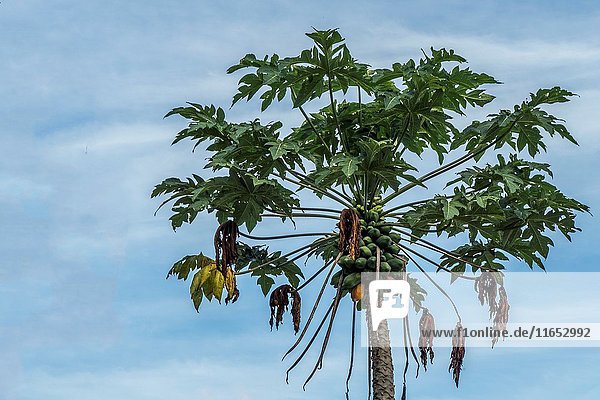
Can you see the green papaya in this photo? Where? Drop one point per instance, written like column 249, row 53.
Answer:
column 335, row 278
column 396, row 264
column 374, row 233
column 385, row 267
column 385, row 229
column 367, row 240
column 373, row 248
column 351, row 280
column 373, row 216
column 395, row 236
column 394, row 248
column 372, row 262
column 345, row 261
column 365, row 251
column 360, row 263
column 384, row 241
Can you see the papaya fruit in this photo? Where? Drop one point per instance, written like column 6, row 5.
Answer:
column 345, row 261
column 351, row 280
column 365, row 251
column 396, row 264
column 360, row 263
column 374, row 233
column 373, row 216
column 394, row 248
column 372, row 262
column 373, row 248
column 395, row 236
column 357, row 292
column 367, row 240
column 385, row 267
column 385, row 229
column 335, row 278
column 384, row 241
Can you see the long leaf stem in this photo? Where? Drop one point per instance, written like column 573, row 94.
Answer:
column 432, row 246
column 315, row 189
column 352, row 339
column 308, row 246
column 299, row 215
column 317, row 209
column 314, row 128
column 314, row 309
column 435, row 284
column 310, row 342
column 292, row 235
column 336, row 303
column 306, row 180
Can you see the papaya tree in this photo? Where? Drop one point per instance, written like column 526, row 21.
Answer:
column 368, row 137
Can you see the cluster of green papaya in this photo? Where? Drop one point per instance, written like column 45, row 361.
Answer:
column 375, row 234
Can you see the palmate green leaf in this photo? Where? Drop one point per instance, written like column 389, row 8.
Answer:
column 240, row 196
column 521, row 128
column 247, row 146
column 305, row 76
column 244, row 197
column 181, row 192
column 509, row 206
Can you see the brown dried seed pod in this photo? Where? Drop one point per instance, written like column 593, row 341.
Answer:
column 279, row 302
column 296, row 303
column 426, row 327
column 458, row 353
column 349, row 233
column 226, row 245
column 487, row 289
column 501, row 316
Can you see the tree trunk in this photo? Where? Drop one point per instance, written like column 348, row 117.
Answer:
column 382, row 365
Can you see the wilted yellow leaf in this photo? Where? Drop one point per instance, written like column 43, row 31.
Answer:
column 230, row 281
column 217, row 282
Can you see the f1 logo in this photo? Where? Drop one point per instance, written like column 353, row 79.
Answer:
column 388, row 299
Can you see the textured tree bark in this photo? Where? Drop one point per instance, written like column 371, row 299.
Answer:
column 382, row 365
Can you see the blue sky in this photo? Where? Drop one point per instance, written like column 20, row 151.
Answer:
column 86, row 312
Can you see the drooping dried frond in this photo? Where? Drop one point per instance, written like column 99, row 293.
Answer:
column 458, row 353
column 279, row 302
column 426, row 327
column 487, row 289
column 226, row 255
column 501, row 315
column 226, row 245
column 296, row 304
column 349, row 233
